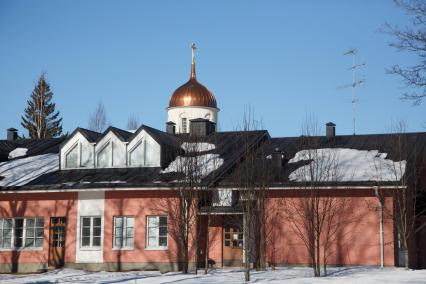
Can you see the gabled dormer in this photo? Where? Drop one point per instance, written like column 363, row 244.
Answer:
column 78, row 150
column 110, row 149
column 117, row 148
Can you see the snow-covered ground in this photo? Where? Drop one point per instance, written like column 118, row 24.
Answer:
column 364, row 275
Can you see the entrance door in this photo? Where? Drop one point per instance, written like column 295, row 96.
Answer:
column 57, row 241
column 232, row 243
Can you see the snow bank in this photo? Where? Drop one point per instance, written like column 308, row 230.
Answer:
column 198, row 147
column 292, row 275
column 22, row 171
column 202, row 165
column 343, row 164
column 18, row 152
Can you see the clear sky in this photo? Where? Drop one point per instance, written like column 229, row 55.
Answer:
column 283, row 58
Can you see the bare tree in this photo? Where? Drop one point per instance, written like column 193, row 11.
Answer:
column 413, row 40
column 251, row 177
column 403, row 175
column 98, row 119
column 315, row 217
column 190, row 167
column 132, row 122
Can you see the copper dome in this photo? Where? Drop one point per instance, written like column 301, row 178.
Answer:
column 192, row 93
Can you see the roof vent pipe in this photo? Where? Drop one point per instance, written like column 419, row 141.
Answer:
column 330, row 130
column 12, row 134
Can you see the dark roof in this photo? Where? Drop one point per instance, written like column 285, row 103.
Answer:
column 412, row 148
column 95, row 178
column 414, row 144
column 123, row 135
column 91, row 136
column 227, row 146
column 231, row 146
column 34, row 146
column 162, row 137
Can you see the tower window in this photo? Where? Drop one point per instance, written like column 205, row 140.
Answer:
column 184, row 125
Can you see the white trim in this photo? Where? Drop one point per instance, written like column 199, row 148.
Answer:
column 73, row 146
column 88, row 189
column 156, row 248
column 90, row 204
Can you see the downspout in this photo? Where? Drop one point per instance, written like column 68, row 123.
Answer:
column 382, row 248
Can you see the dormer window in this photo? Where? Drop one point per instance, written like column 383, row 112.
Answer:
column 114, row 150
column 104, row 157
column 136, row 155
column 71, row 158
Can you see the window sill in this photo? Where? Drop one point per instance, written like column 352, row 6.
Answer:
column 22, row 249
column 157, row 248
column 129, row 248
column 90, row 248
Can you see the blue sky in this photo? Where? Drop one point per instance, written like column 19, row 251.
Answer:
column 283, row 58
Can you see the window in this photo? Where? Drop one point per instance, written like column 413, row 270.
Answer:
column 136, row 155
column 86, row 156
column 104, row 157
column 123, row 232
column 184, row 125
column 91, row 231
column 118, row 154
column 6, row 233
column 34, row 232
column 156, row 232
column 21, row 233
column 233, row 236
column 71, row 158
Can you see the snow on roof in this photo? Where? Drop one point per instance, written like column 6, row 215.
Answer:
column 343, row 164
column 203, row 165
column 198, row 147
column 21, row 171
column 18, row 152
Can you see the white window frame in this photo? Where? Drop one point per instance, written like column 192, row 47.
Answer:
column 139, row 143
column 75, row 145
column 91, row 236
column 124, row 237
column 108, row 143
column 24, row 234
column 157, row 247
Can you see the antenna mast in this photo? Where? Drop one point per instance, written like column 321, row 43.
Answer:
column 355, row 83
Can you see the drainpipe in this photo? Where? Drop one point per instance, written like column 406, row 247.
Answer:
column 382, row 248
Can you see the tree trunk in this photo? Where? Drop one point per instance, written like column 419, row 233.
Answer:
column 407, row 260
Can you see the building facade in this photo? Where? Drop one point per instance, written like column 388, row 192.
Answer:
column 112, row 201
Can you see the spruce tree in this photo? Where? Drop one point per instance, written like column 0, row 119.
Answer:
column 40, row 117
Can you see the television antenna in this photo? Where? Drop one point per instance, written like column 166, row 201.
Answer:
column 355, row 83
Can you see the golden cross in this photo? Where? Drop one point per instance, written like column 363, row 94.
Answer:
column 193, row 47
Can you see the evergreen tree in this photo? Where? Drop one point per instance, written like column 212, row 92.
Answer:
column 40, row 117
